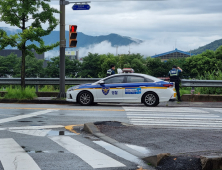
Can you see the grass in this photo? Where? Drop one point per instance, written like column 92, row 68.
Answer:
column 18, row 93
column 42, row 88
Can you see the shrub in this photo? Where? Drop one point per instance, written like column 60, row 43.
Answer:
column 18, row 93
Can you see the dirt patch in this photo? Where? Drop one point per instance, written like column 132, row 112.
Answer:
column 109, row 125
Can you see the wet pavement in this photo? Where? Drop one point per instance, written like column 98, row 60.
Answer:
column 182, row 142
column 163, row 104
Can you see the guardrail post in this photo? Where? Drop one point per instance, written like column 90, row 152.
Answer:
column 36, row 88
column 192, row 90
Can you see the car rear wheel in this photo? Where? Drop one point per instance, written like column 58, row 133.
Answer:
column 151, row 99
column 85, row 98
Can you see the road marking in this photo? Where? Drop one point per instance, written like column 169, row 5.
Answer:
column 12, row 156
column 94, row 158
column 174, row 117
column 33, row 127
column 120, row 110
column 165, row 109
column 26, row 116
column 70, row 128
column 119, row 152
column 32, row 132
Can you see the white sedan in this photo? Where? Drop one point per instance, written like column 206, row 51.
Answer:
column 127, row 88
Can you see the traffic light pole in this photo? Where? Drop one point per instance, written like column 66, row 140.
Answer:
column 63, row 3
column 62, row 93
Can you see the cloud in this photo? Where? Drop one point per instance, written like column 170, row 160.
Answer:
column 162, row 24
column 165, row 43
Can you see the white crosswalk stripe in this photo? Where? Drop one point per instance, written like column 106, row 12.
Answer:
column 12, row 156
column 94, row 158
column 175, row 117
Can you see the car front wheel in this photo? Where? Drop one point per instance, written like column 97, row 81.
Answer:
column 150, row 99
column 85, row 98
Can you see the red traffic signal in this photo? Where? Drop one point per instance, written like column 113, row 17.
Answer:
column 72, row 35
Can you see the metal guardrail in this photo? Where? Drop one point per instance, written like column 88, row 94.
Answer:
column 77, row 81
column 201, row 83
column 47, row 81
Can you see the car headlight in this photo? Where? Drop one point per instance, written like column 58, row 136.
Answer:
column 73, row 88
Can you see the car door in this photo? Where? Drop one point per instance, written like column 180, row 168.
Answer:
column 111, row 90
column 134, row 88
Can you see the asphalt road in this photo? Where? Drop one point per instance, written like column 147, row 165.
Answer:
column 33, row 135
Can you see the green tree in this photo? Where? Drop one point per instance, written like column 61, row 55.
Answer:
column 52, row 68
column 155, row 67
column 218, row 53
column 33, row 67
column 91, row 66
column 199, row 64
column 20, row 14
column 105, row 62
column 135, row 61
column 72, row 67
column 7, row 64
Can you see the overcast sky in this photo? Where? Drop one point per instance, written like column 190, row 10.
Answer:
column 186, row 24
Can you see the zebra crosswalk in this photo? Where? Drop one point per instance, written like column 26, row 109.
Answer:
column 13, row 156
column 182, row 117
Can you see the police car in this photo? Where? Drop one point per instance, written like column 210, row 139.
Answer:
column 128, row 88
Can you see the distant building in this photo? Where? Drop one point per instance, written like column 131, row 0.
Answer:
column 172, row 54
column 7, row 52
column 73, row 55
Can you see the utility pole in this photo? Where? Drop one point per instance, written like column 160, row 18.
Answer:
column 117, row 50
column 62, row 93
column 129, row 50
column 63, row 3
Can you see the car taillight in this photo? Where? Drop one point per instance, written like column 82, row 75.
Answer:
column 168, row 85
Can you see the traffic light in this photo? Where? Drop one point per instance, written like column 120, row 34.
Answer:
column 72, row 35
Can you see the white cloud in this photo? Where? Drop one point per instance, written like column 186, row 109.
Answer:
column 190, row 23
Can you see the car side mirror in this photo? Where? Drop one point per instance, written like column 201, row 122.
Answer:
column 101, row 82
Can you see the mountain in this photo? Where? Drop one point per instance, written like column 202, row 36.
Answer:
column 83, row 40
column 212, row 46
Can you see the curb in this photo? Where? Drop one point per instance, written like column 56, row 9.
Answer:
column 207, row 162
column 91, row 128
column 35, row 101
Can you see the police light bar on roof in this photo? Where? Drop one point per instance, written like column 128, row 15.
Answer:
column 128, row 70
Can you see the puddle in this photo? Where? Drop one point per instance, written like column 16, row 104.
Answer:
column 57, row 133
column 24, row 121
column 41, row 121
column 140, row 149
column 121, row 153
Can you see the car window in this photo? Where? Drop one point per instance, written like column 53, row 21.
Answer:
column 149, row 80
column 135, row 79
column 117, row 79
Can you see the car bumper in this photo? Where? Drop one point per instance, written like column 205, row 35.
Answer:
column 71, row 96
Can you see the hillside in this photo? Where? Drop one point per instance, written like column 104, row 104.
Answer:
column 212, row 46
column 83, row 39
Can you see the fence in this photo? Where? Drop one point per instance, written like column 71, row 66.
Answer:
column 76, row 81
column 47, row 81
